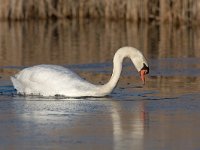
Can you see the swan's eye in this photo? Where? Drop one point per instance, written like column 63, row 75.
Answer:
column 145, row 69
column 146, row 72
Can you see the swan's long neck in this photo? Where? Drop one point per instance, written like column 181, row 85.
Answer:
column 117, row 68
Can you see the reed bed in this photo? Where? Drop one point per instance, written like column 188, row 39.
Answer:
column 178, row 11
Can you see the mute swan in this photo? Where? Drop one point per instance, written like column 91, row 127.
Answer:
column 51, row 80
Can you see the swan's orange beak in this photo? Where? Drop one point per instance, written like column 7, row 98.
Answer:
column 142, row 75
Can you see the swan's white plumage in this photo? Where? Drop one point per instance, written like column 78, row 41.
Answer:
column 51, row 80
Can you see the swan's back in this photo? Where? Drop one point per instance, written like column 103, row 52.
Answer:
column 50, row 80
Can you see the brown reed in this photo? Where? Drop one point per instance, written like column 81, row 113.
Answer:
column 177, row 11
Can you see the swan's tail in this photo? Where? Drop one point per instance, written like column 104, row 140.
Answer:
column 17, row 85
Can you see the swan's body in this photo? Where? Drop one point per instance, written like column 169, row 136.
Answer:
column 51, row 80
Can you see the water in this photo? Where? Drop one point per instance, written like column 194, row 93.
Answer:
column 164, row 114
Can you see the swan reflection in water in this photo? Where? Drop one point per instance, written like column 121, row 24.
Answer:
column 92, row 120
column 128, row 124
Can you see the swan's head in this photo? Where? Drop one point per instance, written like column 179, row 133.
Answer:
column 138, row 60
column 140, row 63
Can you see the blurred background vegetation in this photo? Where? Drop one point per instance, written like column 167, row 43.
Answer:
column 176, row 11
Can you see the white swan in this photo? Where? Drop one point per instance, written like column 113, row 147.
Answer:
column 51, row 80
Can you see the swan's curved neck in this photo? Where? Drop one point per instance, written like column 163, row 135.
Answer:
column 117, row 68
column 136, row 57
